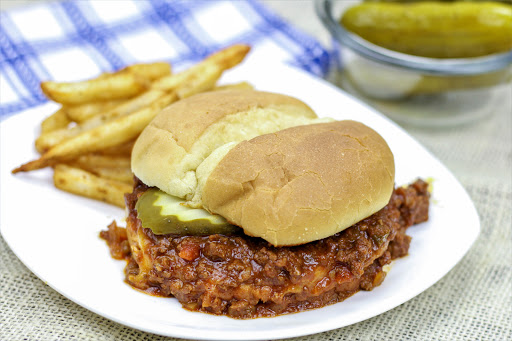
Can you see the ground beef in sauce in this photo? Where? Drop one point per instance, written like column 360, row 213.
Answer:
column 246, row 277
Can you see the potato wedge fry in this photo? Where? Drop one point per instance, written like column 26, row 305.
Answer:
column 145, row 99
column 57, row 120
column 82, row 112
column 221, row 60
column 112, row 133
column 196, row 79
column 229, row 57
column 90, row 161
column 78, row 181
column 124, row 175
column 124, row 83
column 51, row 139
column 149, row 71
column 199, row 82
column 109, row 167
column 111, row 86
column 237, row 86
column 124, row 149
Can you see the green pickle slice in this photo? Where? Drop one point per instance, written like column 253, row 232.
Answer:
column 166, row 214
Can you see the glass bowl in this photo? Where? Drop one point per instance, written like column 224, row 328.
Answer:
column 415, row 90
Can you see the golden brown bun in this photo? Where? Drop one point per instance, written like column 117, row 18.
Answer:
column 303, row 183
column 177, row 141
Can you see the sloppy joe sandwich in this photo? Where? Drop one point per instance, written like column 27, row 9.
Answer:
column 247, row 204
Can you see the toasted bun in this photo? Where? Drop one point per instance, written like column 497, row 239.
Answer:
column 183, row 135
column 303, row 183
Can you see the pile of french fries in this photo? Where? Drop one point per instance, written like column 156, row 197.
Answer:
column 88, row 141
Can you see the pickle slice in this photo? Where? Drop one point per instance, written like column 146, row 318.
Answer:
column 166, row 214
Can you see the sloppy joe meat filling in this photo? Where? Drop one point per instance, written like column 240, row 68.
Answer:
column 246, row 277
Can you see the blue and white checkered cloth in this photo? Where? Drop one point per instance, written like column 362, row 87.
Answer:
column 67, row 41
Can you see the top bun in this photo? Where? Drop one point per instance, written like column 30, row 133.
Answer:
column 183, row 135
column 302, row 184
column 265, row 163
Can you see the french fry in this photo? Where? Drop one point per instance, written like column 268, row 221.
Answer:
column 230, row 56
column 105, row 166
column 108, row 87
column 51, row 139
column 221, row 61
column 78, row 181
column 124, row 149
column 89, row 161
column 57, row 120
column 124, row 175
column 83, row 112
column 199, row 82
column 47, row 140
column 151, row 71
column 238, row 86
column 143, row 100
column 124, row 83
column 112, row 133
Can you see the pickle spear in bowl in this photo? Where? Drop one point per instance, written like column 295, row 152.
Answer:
column 434, row 29
column 423, row 63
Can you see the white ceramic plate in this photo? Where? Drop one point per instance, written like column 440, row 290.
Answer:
column 55, row 234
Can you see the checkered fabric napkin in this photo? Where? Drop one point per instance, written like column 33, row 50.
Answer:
column 75, row 40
